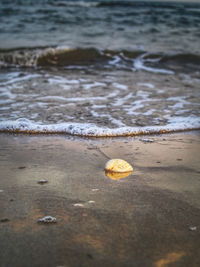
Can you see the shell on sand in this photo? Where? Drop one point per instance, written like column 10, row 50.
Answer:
column 118, row 165
column 117, row 175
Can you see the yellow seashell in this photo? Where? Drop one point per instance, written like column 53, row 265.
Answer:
column 117, row 175
column 118, row 165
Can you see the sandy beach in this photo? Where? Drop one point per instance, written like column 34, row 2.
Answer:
column 150, row 218
column 83, row 82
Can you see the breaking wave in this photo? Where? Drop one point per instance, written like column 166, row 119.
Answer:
column 96, row 58
column 115, row 3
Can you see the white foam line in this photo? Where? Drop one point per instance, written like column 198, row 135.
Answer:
column 149, row 112
column 75, row 67
column 91, row 85
column 6, row 101
column 148, row 85
column 61, row 80
column 98, row 106
column 137, row 105
column 77, row 3
column 15, row 80
column 120, row 86
column 139, row 65
column 114, row 61
column 121, row 100
column 70, row 99
column 86, row 129
column 112, row 120
column 7, row 94
column 142, row 94
column 180, row 102
column 77, row 99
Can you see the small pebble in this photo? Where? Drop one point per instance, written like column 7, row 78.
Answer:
column 91, row 147
column 90, row 256
column 95, row 189
column 21, row 167
column 4, row 220
column 42, row 181
column 147, row 140
column 193, row 228
column 91, row 201
column 78, row 205
column 47, row 219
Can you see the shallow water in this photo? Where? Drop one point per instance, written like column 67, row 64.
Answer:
column 101, row 68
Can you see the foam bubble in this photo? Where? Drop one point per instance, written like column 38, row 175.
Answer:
column 17, row 79
column 47, row 219
column 78, row 205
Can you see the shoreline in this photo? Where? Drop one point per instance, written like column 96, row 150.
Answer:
column 70, row 129
column 149, row 218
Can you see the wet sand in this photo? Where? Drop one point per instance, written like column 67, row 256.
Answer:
column 150, row 218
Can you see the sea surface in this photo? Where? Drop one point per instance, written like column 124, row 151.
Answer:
column 99, row 67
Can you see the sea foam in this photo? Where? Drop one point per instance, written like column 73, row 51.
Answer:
column 88, row 129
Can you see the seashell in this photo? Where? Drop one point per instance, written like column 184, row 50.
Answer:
column 118, row 165
column 117, row 175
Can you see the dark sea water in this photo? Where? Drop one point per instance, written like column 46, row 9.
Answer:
column 99, row 68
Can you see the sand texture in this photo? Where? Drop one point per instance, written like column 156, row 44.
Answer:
column 148, row 218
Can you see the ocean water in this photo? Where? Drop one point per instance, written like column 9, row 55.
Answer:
column 99, row 68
